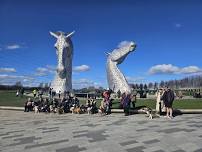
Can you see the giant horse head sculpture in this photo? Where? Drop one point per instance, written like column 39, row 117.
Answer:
column 118, row 55
column 116, row 80
column 64, row 51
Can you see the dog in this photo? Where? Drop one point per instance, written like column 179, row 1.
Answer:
column 60, row 110
column 150, row 113
column 72, row 109
column 36, row 109
column 89, row 110
column 75, row 110
column 101, row 111
column 83, row 109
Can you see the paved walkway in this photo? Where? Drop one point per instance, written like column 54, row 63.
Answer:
column 29, row 132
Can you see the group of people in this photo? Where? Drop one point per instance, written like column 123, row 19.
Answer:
column 127, row 102
column 68, row 103
column 50, row 105
column 63, row 105
column 165, row 97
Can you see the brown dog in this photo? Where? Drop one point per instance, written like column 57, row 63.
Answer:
column 75, row 110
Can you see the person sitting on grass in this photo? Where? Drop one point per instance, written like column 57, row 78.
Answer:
column 75, row 101
column 93, row 105
column 65, row 104
column 60, row 108
column 46, row 105
column 28, row 105
column 41, row 103
column 55, row 105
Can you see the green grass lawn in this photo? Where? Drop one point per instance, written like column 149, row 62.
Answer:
column 8, row 98
column 177, row 104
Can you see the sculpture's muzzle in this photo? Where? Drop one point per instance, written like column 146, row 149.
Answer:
column 132, row 46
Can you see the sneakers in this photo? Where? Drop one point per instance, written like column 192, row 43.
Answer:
column 171, row 117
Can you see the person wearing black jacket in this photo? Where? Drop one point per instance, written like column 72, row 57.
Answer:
column 168, row 98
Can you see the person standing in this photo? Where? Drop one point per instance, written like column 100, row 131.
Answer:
column 123, row 96
column 50, row 93
column 34, row 93
column 133, row 100
column 159, row 102
column 22, row 92
column 107, row 102
column 59, row 94
column 126, row 104
column 17, row 93
column 168, row 98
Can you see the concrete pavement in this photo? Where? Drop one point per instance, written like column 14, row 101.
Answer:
column 29, row 132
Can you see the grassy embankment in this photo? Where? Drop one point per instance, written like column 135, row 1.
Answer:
column 8, row 98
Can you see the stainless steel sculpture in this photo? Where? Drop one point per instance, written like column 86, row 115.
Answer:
column 116, row 79
column 64, row 51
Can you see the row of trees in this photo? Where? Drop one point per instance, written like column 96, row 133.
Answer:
column 18, row 85
column 187, row 82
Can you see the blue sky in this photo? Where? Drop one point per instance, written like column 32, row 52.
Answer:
column 167, row 33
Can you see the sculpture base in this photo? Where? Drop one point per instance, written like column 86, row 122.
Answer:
column 60, row 85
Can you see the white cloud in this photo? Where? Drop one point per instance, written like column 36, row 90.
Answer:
column 13, row 47
column 81, row 68
column 41, row 71
column 44, row 71
column 171, row 69
column 191, row 69
column 7, row 70
column 163, row 68
column 50, row 69
column 123, row 43
column 178, row 25
column 12, row 79
column 84, row 83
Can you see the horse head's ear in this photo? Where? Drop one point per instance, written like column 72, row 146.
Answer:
column 54, row 34
column 70, row 34
column 107, row 53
